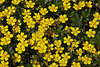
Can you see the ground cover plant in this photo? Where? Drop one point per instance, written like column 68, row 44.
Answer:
column 49, row 33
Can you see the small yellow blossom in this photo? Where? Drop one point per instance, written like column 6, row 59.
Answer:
column 76, row 64
column 86, row 45
column 90, row 33
column 43, row 11
column 96, row 15
column 86, row 60
column 4, row 64
column 88, row 4
column 21, row 36
column 48, row 56
column 66, row 6
column 53, row 8
column 75, row 43
column 30, row 4
column 16, row 2
column 63, row 18
column 68, row 40
column 16, row 58
column 66, row 56
column 94, row 23
column 75, row 31
column 56, row 57
column 4, row 28
column 63, row 62
column 53, row 65
column 4, row 55
column 37, row 16
column 11, row 21
column 1, row 1
column 79, row 51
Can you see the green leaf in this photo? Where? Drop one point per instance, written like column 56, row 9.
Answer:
column 28, row 65
column 97, row 39
column 97, row 62
column 76, row 20
column 58, row 3
column 83, row 13
column 92, row 0
column 98, row 1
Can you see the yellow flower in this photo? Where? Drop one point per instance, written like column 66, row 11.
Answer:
column 63, row 62
column 4, row 55
column 20, row 48
column 76, row 64
column 11, row 21
column 37, row 65
column 37, row 36
column 76, row 7
column 57, row 43
column 4, row 29
column 6, row 13
column 86, row 60
column 86, row 45
column 8, row 35
column 16, row 2
column 66, row 56
column 63, row 18
column 21, row 37
column 79, row 51
column 16, row 29
column 43, row 41
column 43, row 11
column 37, row 16
column 27, row 19
column 79, row 58
column 5, row 41
column 90, row 33
column 4, row 64
column 30, row 4
column 56, row 57
column 75, row 43
column 59, row 49
column 66, row 27
column 26, row 12
column 53, row 8
column 23, row 43
column 50, row 46
column 96, row 15
column 91, row 48
column 31, row 24
column 16, row 57
column 30, row 42
column 42, row 48
column 68, row 40
column 11, row 9
column 53, row 65
column 75, row 31
column 1, row 1
column 66, row 6
column 94, row 23
column 74, row 0
column 81, row 4
column 88, row 4
column 47, row 56
column 49, row 21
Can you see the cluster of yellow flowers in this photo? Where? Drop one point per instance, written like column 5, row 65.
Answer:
column 33, row 31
